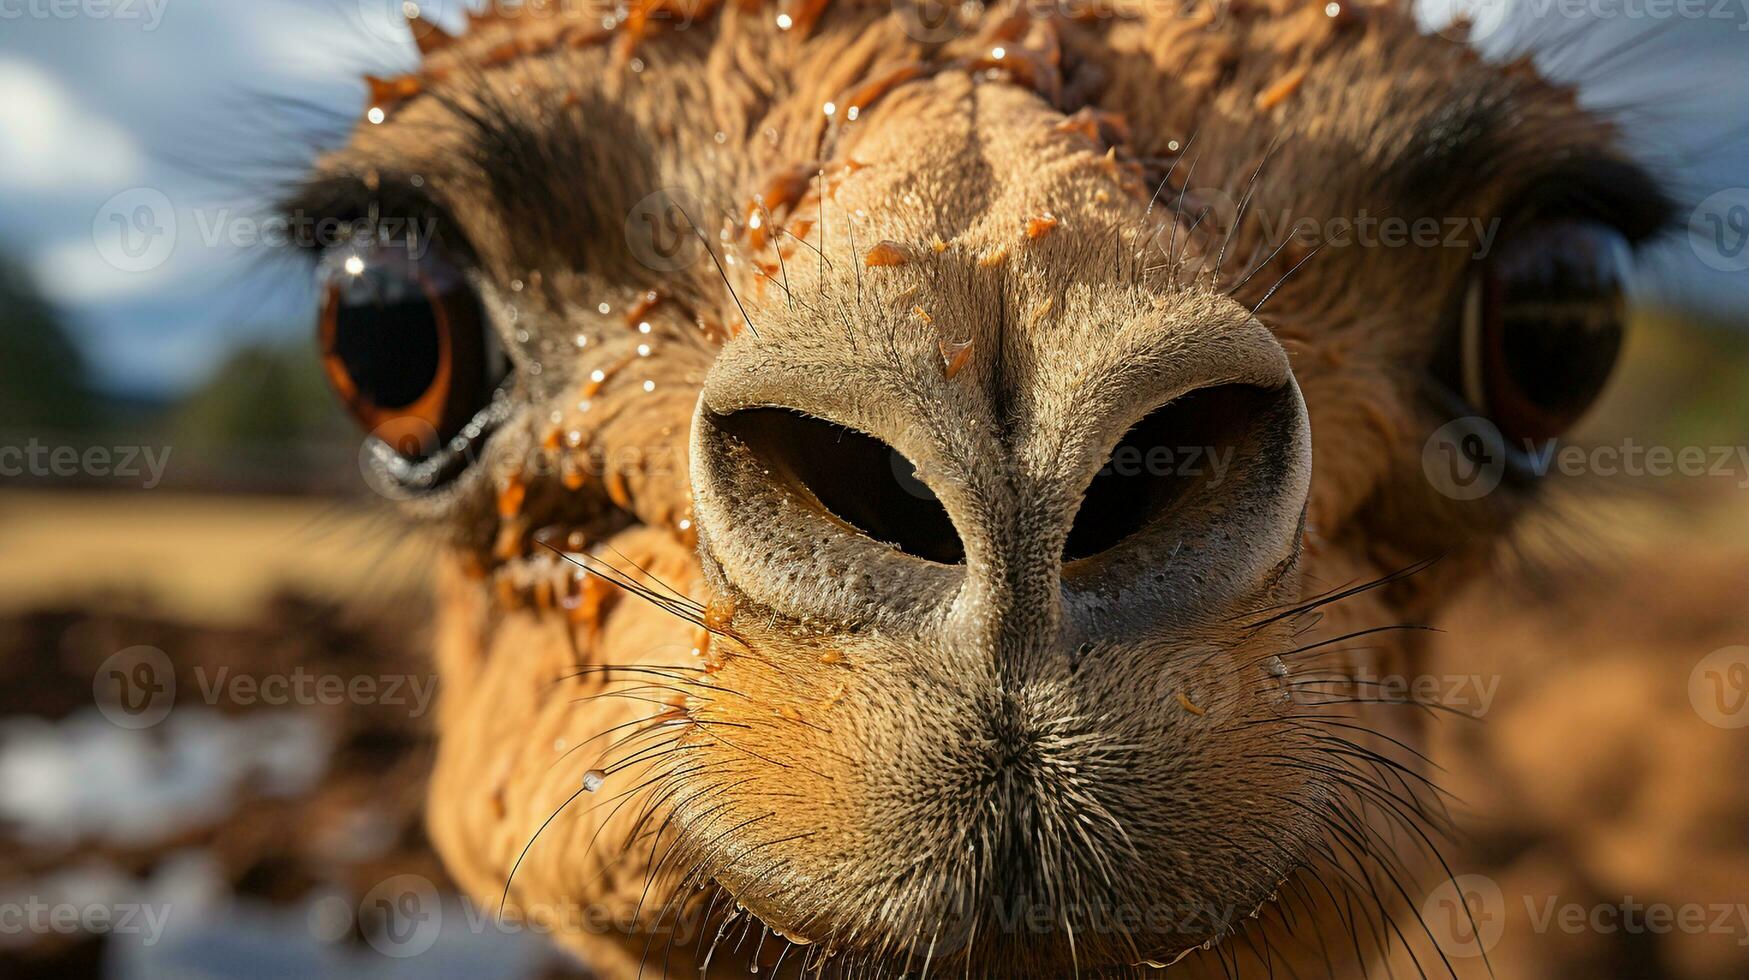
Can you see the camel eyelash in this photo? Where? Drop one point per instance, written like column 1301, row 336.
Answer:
column 1615, row 192
column 385, row 209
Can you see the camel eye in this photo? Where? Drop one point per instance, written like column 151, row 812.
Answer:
column 1542, row 327
column 404, row 344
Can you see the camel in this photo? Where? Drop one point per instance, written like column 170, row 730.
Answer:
column 923, row 487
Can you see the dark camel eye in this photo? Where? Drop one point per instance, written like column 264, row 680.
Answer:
column 404, row 343
column 1542, row 327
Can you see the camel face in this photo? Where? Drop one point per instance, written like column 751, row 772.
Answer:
column 920, row 484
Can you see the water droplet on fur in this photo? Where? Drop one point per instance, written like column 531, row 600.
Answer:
column 593, row 780
column 1275, row 667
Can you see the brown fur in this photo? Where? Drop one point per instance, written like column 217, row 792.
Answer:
column 880, row 756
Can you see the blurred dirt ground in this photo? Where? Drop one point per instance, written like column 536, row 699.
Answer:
column 1597, row 778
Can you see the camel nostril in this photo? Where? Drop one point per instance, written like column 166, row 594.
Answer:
column 1187, row 445
column 857, row 479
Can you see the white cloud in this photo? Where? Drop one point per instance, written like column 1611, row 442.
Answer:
column 76, row 272
column 49, row 142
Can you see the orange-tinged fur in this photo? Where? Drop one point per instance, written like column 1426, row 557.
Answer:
column 1046, row 181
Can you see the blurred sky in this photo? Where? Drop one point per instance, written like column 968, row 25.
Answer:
column 138, row 136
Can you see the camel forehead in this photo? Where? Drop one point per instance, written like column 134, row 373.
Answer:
column 1364, row 112
column 1272, row 70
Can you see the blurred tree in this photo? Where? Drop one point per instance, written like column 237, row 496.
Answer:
column 43, row 384
column 262, row 398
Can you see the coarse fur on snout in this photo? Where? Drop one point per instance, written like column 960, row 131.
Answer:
column 996, row 251
column 988, row 739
